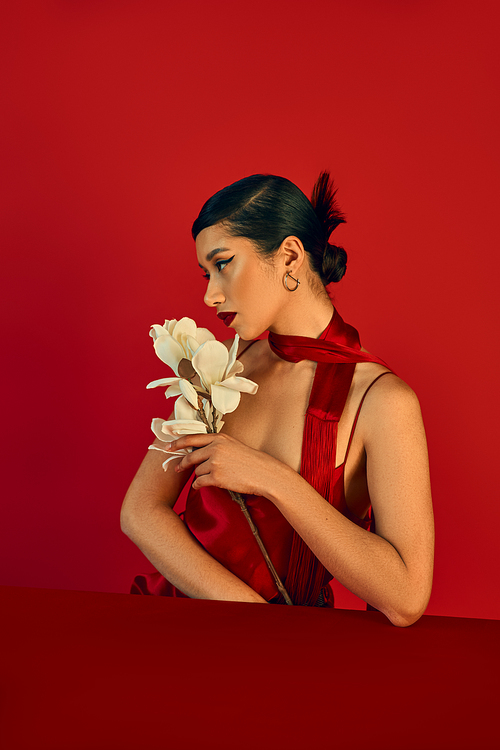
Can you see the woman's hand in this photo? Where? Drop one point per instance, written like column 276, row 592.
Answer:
column 225, row 462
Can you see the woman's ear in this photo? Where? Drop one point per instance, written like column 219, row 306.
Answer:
column 293, row 254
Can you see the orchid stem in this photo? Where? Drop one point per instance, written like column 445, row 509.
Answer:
column 237, row 498
column 202, row 414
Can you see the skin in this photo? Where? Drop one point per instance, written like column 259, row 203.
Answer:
column 259, row 450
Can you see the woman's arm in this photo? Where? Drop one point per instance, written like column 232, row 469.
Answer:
column 392, row 569
column 148, row 519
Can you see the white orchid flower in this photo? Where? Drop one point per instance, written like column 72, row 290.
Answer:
column 218, row 371
column 188, row 350
column 177, row 340
column 172, row 429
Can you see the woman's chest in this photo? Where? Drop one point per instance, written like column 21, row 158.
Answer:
column 272, row 420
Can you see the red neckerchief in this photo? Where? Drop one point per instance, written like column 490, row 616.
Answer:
column 339, row 342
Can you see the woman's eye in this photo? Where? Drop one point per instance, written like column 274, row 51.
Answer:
column 223, row 263
column 220, row 265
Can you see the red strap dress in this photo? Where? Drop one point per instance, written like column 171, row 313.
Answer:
column 217, row 521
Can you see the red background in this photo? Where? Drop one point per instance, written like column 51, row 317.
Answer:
column 123, row 118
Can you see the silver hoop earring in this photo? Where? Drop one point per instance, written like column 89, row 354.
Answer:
column 286, row 283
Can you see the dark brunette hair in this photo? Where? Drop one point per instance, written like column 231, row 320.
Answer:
column 266, row 209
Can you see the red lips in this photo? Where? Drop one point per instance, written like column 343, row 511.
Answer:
column 226, row 317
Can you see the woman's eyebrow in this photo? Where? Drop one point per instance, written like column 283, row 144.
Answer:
column 214, row 252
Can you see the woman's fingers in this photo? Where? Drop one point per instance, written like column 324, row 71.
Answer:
column 191, row 441
column 191, row 460
column 198, row 455
column 217, row 460
column 201, row 481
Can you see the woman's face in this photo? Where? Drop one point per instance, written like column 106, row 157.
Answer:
column 239, row 281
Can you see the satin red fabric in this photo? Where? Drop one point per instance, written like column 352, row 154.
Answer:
column 218, row 524
column 339, row 343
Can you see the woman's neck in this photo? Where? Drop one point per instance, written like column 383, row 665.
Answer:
column 307, row 317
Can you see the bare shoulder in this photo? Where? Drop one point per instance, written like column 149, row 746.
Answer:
column 393, row 431
column 390, row 395
column 391, row 418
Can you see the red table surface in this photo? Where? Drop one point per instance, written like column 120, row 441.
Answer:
column 96, row 670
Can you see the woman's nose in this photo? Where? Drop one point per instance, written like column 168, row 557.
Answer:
column 213, row 295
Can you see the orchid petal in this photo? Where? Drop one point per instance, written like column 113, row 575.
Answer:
column 210, row 362
column 156, row 425
column 170, row 325
column 169, row 351
column 203, row 334
column 164, row 464
column 183, row 339
column 211, row 414
column 235, row 369
column 191, row 346
column 184, row 410
column 206, row 408
column 232, row 354
column 155, row 448
column 189, row 393
column 174, row 428
column 162, row 381
column 156, row 331
column 225, row 399
column 178, row 427
column 240, row 384
column 174, row 454
column 184, row 326
column 186, row 369
column 174, row 390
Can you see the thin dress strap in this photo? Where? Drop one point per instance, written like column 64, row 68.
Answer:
column 359, row 409
column 247, row 347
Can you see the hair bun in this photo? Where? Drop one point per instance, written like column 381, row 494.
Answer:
column 334, row 263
